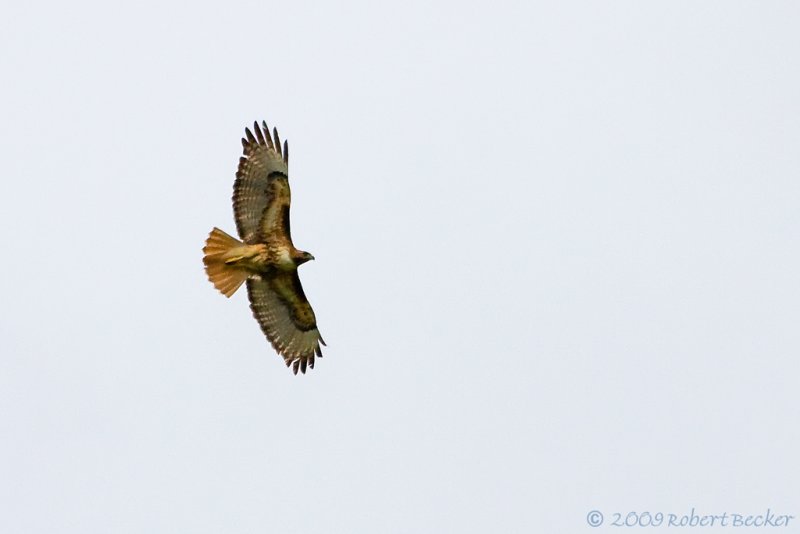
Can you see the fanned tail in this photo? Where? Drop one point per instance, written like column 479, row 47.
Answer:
column 226, row 277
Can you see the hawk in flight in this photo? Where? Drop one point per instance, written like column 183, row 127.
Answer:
column 265, row 257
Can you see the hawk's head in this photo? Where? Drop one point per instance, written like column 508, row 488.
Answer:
column 302, row 257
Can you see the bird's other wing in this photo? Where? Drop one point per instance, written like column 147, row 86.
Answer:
column 262, row 182
column 281, row 308
column 274, row 223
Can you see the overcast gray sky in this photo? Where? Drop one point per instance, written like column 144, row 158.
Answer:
column 557, row 265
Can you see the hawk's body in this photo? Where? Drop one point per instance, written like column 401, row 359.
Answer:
column 265, row 257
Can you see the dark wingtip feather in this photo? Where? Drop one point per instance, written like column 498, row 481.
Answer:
column 296, row 366
column 286, row 152
column 277, row 140
column 259, row 135
column 249, row 135
column 266, row 133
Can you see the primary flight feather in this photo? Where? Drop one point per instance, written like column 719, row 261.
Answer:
column 265, row 258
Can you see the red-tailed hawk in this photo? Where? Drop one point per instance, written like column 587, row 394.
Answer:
column 265, row 257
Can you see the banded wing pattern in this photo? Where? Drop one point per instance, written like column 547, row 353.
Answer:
column 282, row 310
column 264, row 162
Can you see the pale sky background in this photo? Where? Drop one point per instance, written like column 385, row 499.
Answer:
column 557, row 247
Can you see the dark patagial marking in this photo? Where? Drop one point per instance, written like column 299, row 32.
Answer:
column 298, row 289
column 285, row 217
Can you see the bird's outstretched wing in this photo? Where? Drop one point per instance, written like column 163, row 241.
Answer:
column 261, row 195
column 281, row 308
